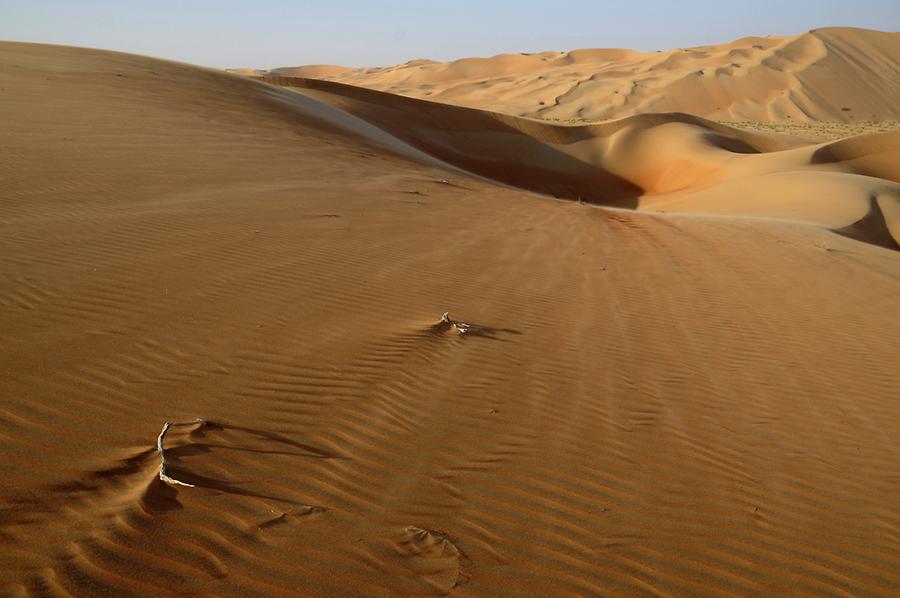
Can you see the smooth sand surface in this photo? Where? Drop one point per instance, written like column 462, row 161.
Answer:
column 697, row 402
column 834, row 74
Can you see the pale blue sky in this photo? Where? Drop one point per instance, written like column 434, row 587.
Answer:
column 268, row 33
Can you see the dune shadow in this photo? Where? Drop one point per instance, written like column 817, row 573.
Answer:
column 731, row 144
column 871, row 228
column 517, row 152
column 827, row 154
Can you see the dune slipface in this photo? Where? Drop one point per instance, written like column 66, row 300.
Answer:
column 696, row 402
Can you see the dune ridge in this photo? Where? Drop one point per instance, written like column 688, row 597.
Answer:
column 650, row 162
column 832, row 74
column 648, row 404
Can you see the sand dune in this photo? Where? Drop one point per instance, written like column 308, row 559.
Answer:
column 833, row 74
column 315, row 71
column 647, row 403
column 661, row 161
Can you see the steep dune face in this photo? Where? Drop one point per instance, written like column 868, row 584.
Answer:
column 836, row 74
column 609, row 163
column 859, row 76
column 673, row 162
column 644, row 403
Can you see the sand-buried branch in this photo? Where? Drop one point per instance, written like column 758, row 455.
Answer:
column 462, row 327
column 162, row 451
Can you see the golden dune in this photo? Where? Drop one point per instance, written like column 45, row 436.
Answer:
column 676, row 377
column 834, row 74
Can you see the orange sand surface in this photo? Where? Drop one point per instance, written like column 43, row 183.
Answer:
column 680, row 375
column 833, row 74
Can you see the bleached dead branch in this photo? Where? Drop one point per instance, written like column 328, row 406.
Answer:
column 461, row 327
column 162, row 451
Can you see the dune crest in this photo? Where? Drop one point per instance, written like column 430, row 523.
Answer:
column 831, row 74
column 676, row 162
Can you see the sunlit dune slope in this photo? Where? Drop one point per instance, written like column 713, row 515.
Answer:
column 832, row 74
column 644, row 403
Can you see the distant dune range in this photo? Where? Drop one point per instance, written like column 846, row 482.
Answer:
column 672, row 162
column 834, row 74
column 696, row 402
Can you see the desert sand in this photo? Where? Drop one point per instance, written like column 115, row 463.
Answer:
column 837, row 74
column 680, row 375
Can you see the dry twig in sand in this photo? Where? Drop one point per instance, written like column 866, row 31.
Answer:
column 162, row 451
column 462, row 327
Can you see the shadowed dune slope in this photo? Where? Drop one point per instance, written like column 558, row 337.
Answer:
column 675, row 162
column 646, row 404
column 832, row 74
column 314, row 71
